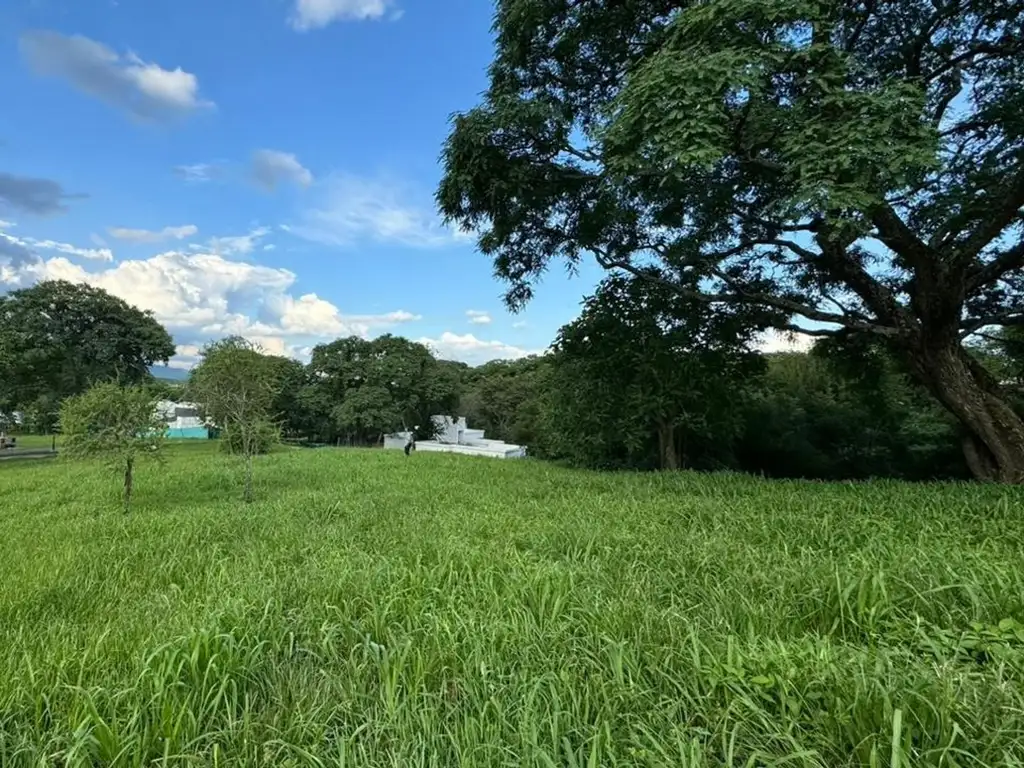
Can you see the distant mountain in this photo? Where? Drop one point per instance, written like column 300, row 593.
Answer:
column 171, row 374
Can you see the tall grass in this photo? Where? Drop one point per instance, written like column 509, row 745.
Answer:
column 373, row 610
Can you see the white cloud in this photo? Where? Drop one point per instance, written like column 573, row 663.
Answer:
column 198, row 173
column 271, row 168
column 201, row 296
column 314, row 14
column 352, row 209
column 476, row 317
column 235, row 244
column 96, row 254
column 22, row 249
column 153, row 236
column 145, row 90
column 13, row 254
column 186, row 357
column 519, row 324
column 780, row 341
column 469, row 349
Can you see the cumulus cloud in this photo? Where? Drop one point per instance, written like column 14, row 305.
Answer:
column 271, row 168
column 186, row 357
column 476, row 317
column 153, row 236
column 469, row 349
column 30, row 195
column 352, row 209
column 144, row 90
column 201, row 296
column 315, row 14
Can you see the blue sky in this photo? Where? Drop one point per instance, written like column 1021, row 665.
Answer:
column 256, row 166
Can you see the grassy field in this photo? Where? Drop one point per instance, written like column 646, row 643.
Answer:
column 373, row 610
column 36, row 441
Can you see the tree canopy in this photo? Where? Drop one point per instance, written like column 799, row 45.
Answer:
column 645, row 366
column 236, row 386
column 114, row 423
column 857, row 166
column 366, row 388
column 59, row 338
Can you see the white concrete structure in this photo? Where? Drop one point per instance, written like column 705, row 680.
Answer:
column 179, row 415
column 456, row 437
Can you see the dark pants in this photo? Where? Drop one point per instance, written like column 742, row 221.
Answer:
column 408, row 447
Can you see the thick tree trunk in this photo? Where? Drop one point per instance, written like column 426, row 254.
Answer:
column 994, row 441
column 667, row 446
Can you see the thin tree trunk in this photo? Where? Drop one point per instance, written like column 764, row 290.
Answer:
column 994, row 441
column 129, row 464
column 247, row 493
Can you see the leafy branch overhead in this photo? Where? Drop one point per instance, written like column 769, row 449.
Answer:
column 856, row 166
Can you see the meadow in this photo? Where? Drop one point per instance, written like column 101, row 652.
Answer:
column 373, row 610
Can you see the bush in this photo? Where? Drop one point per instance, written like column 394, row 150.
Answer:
column 264, row 436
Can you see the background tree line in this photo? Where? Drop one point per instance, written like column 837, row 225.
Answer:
column 645, row 378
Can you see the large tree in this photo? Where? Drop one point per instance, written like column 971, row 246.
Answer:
column 644, row 368
column 58, row 338
column 858, row 165
column 369, row 387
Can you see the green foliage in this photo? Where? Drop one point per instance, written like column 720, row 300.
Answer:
column 647, row 374
column 859, row 165
column 815, row 416
column 236, row 386
column 505, row 398
column 59, row 338
column 163, row 389
column 114, row 423
column 287, row 408
column 377, row 612
column 362, row 389
column 257, row 438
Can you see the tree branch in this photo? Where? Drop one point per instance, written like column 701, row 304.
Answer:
column 862, row 22
column 816, row 332
column 971, row 325
column 953, row 88
column 877, row 297
column 797, row 308
column 983, row 274
column 1002, row 216
column 846, row 320
column 898, row 237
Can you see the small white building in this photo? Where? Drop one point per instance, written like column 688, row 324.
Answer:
column 454, row 436
column 182, row 420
